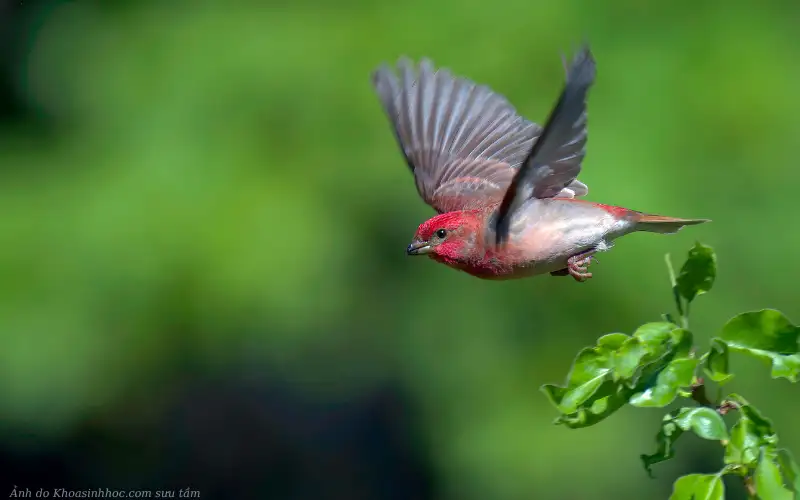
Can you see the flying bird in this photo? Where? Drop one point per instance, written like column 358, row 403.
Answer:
column 505, row 189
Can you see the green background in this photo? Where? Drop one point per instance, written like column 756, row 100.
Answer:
column 221, row 184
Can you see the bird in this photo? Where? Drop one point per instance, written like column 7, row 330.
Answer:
column 506, row 191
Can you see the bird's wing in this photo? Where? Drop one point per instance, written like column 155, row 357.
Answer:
column 462, row 141
column 555, row 159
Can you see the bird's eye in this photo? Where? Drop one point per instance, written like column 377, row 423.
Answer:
column 441, row 233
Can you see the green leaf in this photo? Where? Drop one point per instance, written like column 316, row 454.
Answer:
column 748, row 435
column 603, row 378
column 677, row 375
column 769, row 479
column 682, row 341
column 612, row 341
column 790, row 469
column 698, row 487
column 654, row 335
column 716, row 365
column 628, row 358
column 660, row 337
column 698, row 272
column 662, row 343
column 589, row 370
column 609, row 398
column 646, row 373
column 762, row 426
column 744, row 444
column 766, row 335
column 666, row 437
column 705, row 422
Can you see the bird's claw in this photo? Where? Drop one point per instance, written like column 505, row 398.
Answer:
column 578, row 265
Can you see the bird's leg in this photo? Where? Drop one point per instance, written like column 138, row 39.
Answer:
column 577, row 265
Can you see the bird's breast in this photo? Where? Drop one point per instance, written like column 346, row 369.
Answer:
column 545, row 233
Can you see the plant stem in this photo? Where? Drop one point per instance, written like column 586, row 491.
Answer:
column 699, row 394
column 671, row 271
column 676, row 294
column 750, row 487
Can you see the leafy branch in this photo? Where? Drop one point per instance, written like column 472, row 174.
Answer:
column 658, row 364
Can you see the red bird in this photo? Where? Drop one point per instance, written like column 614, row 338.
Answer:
column 504, row 187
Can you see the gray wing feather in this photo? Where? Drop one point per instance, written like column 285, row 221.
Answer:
column 555, row 159
column 462, row 141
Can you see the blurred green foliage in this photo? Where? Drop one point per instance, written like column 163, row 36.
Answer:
column 221, row 186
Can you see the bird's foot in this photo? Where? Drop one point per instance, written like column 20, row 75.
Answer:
column 578, row 265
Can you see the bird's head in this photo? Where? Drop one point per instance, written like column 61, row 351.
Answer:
column 449, row 238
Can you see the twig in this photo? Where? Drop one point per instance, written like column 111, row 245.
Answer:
column 726, row 406
column 750, row 487
column 699, row 394
column 676, row 294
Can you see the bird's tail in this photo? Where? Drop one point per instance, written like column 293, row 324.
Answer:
column 662, row 224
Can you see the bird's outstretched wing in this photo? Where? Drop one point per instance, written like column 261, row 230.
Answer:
column 463, row 142
column 555, row 159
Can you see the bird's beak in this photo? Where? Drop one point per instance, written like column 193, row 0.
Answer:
column 418, row 248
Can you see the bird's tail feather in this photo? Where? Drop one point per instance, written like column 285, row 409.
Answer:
column 662, row 224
